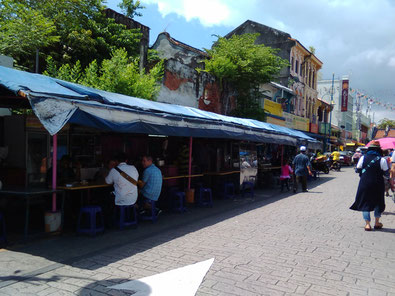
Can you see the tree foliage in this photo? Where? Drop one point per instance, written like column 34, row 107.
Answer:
column 119, row 74
column 386, row 122
column 129, row 8
column 245, row 65
column 24, row 30
column 66, row 30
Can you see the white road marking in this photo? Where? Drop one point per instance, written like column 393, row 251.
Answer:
column 183, row 281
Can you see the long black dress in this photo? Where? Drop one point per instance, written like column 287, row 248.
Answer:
column 371, row 186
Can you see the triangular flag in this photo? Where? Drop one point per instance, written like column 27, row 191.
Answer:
column 183, row 281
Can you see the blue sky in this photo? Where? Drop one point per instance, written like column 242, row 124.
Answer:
column 351, row 37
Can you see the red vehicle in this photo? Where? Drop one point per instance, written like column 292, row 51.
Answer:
column 345, row 158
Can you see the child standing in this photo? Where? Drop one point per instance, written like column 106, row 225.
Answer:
column 286, row 172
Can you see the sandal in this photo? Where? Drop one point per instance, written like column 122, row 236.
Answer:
column 378, row 226
column 368, row 228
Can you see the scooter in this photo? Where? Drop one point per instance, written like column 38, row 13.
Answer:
column 335, row 165
column 322, row 165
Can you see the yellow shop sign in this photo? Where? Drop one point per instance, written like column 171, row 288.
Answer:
column 273, row 108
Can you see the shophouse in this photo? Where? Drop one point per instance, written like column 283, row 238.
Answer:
column 291, row 100
column 343, row 106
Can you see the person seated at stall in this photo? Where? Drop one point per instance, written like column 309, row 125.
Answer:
column 64, row 173
column 124, row 178
column 150, row 184
column 102, row 173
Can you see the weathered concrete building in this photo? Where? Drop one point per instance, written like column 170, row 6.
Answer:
column 300, row 76
column 182, row 83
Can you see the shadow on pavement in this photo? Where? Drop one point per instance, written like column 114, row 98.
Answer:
column 74, row 250
column 102, row 288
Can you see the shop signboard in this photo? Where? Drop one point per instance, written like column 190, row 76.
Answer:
column 324, row 128
column 301, row 123
column 273, row 108
column 289, row 119
column 344, row 104
column 296, row 122
column 314, row 128
column 273, row 120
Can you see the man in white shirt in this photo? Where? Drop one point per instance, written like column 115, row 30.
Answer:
column 125, row 192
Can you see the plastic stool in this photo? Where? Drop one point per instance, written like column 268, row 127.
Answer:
column 3, row 236
column 153, row 213
column 127, row 216
column 247, row 188
column 178, row 201
column 92, row 212
column 229, row 190
column 205, row 197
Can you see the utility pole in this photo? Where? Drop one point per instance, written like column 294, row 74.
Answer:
column 359, row 117
column 331, row 106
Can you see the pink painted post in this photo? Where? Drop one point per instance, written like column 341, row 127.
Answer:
column 190, row 162
column 54, row 170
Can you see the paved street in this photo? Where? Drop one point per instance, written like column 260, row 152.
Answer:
column 278, row 244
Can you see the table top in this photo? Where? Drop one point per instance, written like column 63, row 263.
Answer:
column 27, row 191
column 80, row 186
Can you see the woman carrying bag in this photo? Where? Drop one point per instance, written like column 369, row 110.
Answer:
column 372, row 170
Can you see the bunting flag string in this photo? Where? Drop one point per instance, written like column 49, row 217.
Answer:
column 372, row 100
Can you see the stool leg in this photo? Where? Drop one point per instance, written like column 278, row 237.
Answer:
column 93, row 223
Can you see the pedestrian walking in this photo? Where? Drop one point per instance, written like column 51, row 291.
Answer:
column 372, row 169
column 286, row 171
column 302, row 168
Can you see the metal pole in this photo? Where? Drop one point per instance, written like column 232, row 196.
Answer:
column 54, row 170
column 190, row 162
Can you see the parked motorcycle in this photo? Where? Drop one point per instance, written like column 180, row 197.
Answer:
column 320, row 164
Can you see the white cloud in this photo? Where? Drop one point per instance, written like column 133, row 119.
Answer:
column 391, row 62
column 208, row 12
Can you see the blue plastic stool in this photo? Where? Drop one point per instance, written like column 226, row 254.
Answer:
column 92, row 212
column 247, row 188
column 178, row 202
column 205, row 197
column 3, row 236
column 229, row 190
column 153, row 215
column 125, row 216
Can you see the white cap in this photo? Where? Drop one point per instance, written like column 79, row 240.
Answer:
column 302, row 148
column 358, row 150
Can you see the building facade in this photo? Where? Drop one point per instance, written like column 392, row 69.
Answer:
column 294, row 95
column 342, row 118
column 183, row 84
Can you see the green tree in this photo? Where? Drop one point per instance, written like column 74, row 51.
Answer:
column 66, row 30
column 386, row 122
column 119, row 74
column 23, row 30
column 245, row 65
column 129, row 8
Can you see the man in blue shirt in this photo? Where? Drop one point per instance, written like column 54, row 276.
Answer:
column 301, row 164
column 151, row 183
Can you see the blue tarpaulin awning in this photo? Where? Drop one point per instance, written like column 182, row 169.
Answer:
column 56, row 102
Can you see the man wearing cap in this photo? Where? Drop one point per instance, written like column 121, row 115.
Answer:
column 301, row 164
